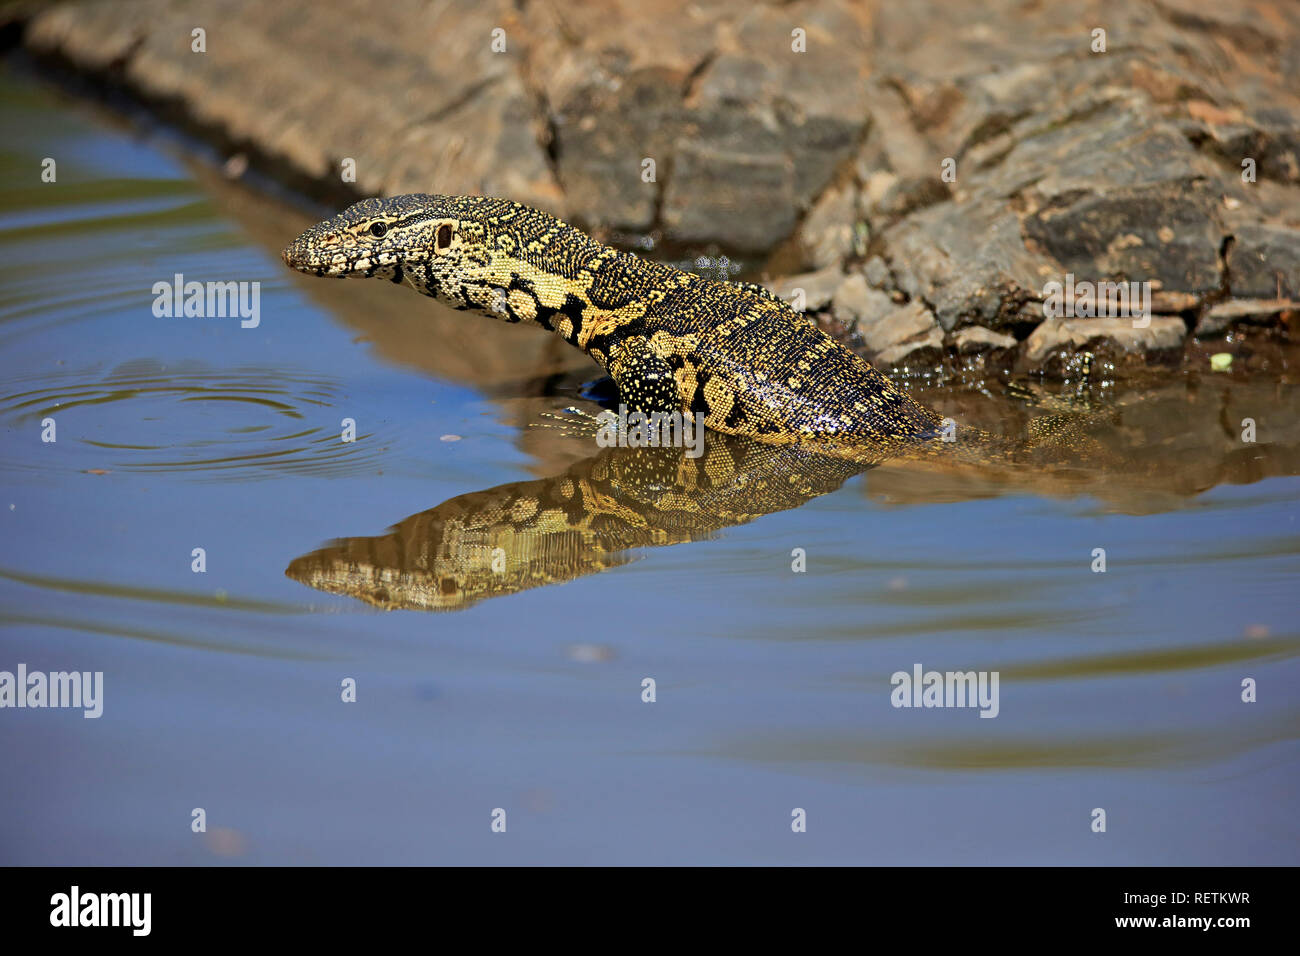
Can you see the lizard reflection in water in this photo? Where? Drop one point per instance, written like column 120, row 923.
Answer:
column 595, row 515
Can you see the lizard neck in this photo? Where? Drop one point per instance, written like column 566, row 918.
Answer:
column 539, row 270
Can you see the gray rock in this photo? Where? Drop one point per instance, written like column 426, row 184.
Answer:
column 768, row 127
column 968, row 260
column 923, row 353
column 1219, row 317
column 894, row 144
column 750, row 197
column 1114, row 336
column 1117, row 166
column 298, row 81
column 903, row 196
column 876, row 272
column 818, row 287
column 826, row 235
column 975, row 339
column 855, row 302
column 901, row 334
column 1165, row 234
column 606, row 135
column 1112, row 167
column 1264, row 262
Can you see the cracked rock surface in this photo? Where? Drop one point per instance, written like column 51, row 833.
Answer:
column 921, row 170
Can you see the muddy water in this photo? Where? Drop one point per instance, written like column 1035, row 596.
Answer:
column 521, row 688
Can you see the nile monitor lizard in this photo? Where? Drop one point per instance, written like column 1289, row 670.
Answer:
column 672, row 341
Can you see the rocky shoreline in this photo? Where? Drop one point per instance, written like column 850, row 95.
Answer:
column 916, row 175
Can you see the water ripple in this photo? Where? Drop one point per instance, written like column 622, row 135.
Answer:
column 189, row 419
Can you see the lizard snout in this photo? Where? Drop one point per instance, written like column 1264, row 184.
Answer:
column 313, row 253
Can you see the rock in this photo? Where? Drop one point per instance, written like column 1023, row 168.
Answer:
column 905, row 333
column 875, row 187
column 968, row 260
column 826, row 235
column 855, row 302
column 745, row 132
column 905, row 195
column 751, row 197
column 924, row 353
column 1111, row 167
column 1264, row 262
column 1119, row 196
column 1167, row 303
column 298, row 80
column 1118, row 166
column 919, row 354
column 898, row 324
column 1115, row 338
column 612, row 78
column 1164, row 234
column 975, row 339
column 894, row 145
column 767, row 127
column 876, row 272
column 1220, row 316
column 818, row 287
column 898, row 171
column 603, row 163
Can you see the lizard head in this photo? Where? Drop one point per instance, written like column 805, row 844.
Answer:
column 436, row 244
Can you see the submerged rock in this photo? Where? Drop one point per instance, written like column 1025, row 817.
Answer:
column 975, row 339
column 1056, row 340
column 1223, row 315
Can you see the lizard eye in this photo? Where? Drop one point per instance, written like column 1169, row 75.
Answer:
column 379, row 229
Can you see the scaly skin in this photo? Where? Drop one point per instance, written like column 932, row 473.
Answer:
column 672, row 341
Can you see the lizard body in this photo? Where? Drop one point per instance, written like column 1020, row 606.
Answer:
column 672, row 341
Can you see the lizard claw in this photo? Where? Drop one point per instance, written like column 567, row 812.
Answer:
column 576, row 423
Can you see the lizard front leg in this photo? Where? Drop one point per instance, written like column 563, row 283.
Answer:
column 645, row 384
column 645, row 381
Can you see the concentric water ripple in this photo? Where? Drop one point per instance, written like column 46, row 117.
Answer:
column 204, row 423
